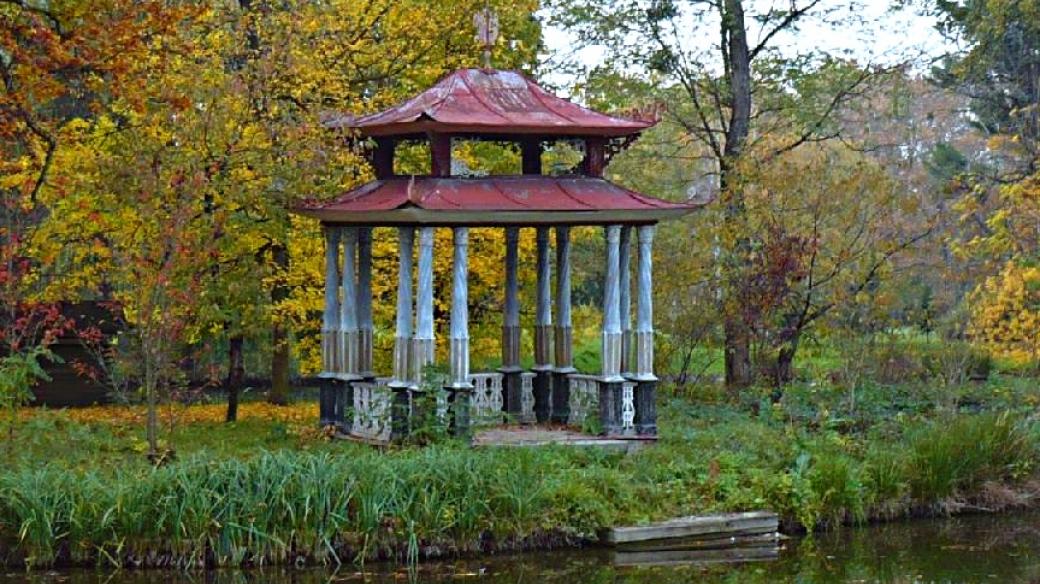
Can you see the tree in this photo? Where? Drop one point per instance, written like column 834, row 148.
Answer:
column 1000, row 74
column 235, row 105
column 732, row 96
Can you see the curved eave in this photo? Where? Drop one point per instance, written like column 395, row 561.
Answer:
column 418, row 216
column 423, row 127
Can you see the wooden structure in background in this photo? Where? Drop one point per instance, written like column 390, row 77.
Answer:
column 67, row 387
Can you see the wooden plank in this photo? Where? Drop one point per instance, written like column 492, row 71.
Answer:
column 703, row 542
column 689, row 527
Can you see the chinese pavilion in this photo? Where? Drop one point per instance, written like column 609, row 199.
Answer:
column 503, row 106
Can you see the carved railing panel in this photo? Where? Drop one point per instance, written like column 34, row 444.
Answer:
column 628, row 407
column 527, row 398
column 487, row 398
column 371, row 410
column 584, row 399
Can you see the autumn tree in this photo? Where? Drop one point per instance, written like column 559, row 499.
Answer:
column 237, row 109
column 736, row 94
column 999, row 72
column 59, row 65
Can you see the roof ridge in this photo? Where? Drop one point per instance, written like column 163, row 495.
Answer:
column 536, row 90
column 476, row 96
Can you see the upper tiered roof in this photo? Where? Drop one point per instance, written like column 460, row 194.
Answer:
column 488, row 101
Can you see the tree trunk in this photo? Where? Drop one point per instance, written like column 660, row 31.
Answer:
column 785, row 362
column 152, row 420
column 236, row 373
column 739, row 373
column 279, row 394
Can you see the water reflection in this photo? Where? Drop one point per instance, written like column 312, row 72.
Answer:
column 1003, row 548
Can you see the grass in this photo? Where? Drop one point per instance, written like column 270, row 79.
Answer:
column 271, row 489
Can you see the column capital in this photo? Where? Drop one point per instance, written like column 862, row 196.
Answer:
column 646, row 233
column 512, row 235
column 426, row 236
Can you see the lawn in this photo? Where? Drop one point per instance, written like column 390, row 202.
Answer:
column 272, row 488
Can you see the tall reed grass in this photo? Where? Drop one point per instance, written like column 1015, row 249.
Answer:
column 353, row 505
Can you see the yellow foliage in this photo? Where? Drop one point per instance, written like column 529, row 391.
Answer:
column 1006, row 313
column 300, row 417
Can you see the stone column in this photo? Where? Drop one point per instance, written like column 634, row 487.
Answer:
column 401, row 382
column 460, row 388
column 645, row 392
column 348, row 351
column 423, row 351
column 512, row 378
column 348, row 307
column 625, row 286
column 364, row 304
column 543, row 331
column 327, row 402
column 561, row 392
column 611, row 381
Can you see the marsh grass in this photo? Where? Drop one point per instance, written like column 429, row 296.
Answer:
column 952, row 456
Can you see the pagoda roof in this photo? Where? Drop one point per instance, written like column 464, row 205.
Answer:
column 488, row 101
column 496, row 200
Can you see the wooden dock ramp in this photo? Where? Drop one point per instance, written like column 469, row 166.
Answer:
column 699, row 532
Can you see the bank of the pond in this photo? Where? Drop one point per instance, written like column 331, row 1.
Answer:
column 340, row 503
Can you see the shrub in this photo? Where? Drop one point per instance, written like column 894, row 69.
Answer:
column 837, row 488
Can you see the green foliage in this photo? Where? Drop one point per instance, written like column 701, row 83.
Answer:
column 19, row 372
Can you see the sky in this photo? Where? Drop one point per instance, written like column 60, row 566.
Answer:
column 881, row 36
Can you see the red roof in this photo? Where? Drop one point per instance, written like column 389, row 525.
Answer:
column 488, row 101
column 494, row 200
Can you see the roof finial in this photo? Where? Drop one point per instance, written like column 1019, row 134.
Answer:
column 486, row 22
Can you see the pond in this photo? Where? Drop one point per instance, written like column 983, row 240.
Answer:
column 998, row 548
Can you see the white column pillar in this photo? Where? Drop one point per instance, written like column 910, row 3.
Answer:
column 460, row 312
column 348, row 306
column 611, row 348
column 564, row 334
column 364, row 303
column 403, row 338
column 625, row 285
column 424, row 335
column 330, row 318
column 543, row 315
column 511, row 312
column 644, row 335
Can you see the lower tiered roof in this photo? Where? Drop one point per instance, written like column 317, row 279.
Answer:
column 505, row 200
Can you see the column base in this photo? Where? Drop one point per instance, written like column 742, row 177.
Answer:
column 561, row 395
column 459, row 400
column 512, row 393
column 330, row 396
column 400, row 412
column 610, row 405
column 646, row 408
column 543, row 386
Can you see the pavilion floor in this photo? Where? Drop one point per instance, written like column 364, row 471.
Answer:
column 549, row 435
